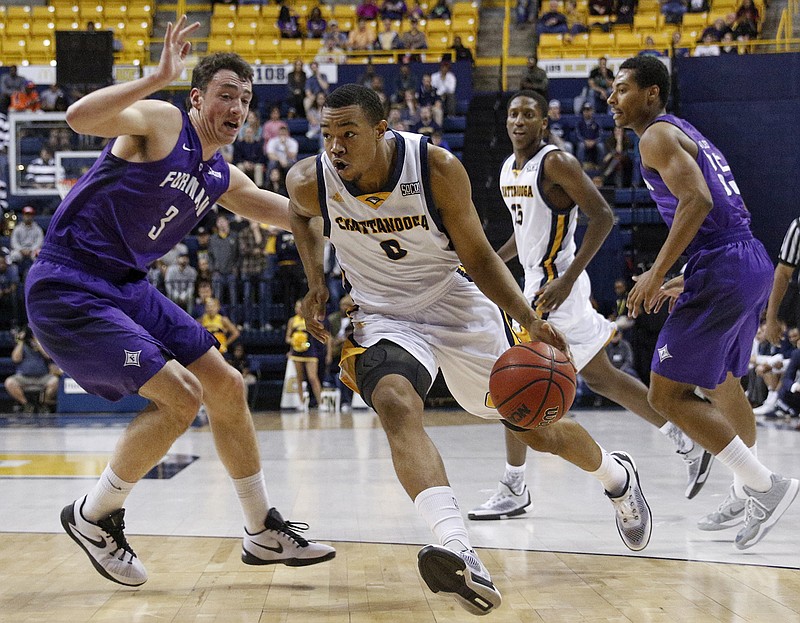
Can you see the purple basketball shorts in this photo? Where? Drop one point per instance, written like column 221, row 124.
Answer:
column 111, row 338
column 710, row 331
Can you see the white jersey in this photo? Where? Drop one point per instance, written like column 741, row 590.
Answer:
column 545, row 240
column 545, row 236
column 394, row 252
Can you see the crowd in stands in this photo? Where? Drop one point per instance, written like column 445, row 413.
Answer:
column 712, row 27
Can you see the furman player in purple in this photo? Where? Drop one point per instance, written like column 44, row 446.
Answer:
column 94, row 312
column 715, row 306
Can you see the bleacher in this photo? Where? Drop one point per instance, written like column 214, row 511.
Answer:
column 622, row 40
column 27, row 33
column 251, row 30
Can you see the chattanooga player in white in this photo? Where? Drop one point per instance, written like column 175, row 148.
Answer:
column 399, row 213
column 543, row 189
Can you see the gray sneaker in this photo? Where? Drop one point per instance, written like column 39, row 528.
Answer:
column 634, row 522
column 461, row 574
column 762, row 510
column 698, row 464
column 729, row 514
column 504, row 503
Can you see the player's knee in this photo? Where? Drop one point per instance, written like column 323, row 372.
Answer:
column 185, row 400
column 397, row 403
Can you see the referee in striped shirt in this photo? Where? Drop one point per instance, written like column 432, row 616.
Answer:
column 788, row 261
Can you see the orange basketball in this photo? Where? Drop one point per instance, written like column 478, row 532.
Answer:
column 532, row 384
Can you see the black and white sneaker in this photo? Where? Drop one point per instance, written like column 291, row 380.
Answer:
column 461, row 574
column 105, row 544
column 634, row 522
column 280, row 543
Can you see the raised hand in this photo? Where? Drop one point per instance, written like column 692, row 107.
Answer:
column 176, row 48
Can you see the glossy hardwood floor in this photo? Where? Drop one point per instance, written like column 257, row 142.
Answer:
column 560, row 562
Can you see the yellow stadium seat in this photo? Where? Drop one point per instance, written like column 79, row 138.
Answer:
column 67, row 24
column 245, row 46
column 649, row 6
column 468, row 9
column 302, row 10
column 41, row 51
column 268, row 29
column 342, row 11
column 220, row 44
column 267, row 48
column 137, row 28
column 628, row 43
column 143, row 13
column 222, row 25
column 311, row 47
column 249, row 11
column 346, row 24
column 645, row 23
column 696, row 21
column 18, row 28
column 224, row 10
column 245, row 27
column 576, row 46
column 435, row 27
column 689, row 35
column 67, row 11
column 270, row 11
column 116, row 13
column 14, row 50
column 18, row 11
column 439, row 43
column 290, row 48
column 465, row 24
column 42, row 28
column 662, row 40
column 601, row 43
column 90, row 11
column 550, row 45
column 326, row 11
column 42, row 12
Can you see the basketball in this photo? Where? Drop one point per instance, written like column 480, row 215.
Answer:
column 532, row 384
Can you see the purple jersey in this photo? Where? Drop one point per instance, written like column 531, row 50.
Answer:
column 122, row 215
column 728, row 219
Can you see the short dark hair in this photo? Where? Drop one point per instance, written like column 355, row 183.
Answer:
column 648, row 71
column 357, row 95
column 540, row 100
column 209, row 65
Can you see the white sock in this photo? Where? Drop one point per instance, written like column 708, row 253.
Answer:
column 611, row 474
column 252, row 492
column 737, row 481
column 745, row 466
column 514, row 477
column 108, row 495
column 439, row 508
column 682, row 441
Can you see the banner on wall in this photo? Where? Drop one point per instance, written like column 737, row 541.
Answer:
column 262, row 74
column 580, row 67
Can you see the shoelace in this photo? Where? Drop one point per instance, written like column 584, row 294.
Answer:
column 290, row 529
column 754, row 511
column 676, row 435
column 627, row 508
column 114, row 526
column 726, row 503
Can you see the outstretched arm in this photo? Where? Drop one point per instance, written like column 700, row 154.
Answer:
column 256, row 204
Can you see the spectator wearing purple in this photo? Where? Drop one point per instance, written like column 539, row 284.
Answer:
column 315, row 24
column 368, row 10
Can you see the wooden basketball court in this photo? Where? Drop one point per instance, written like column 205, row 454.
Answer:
column 562, row 561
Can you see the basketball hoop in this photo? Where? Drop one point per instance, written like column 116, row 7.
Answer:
column 64, row 185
